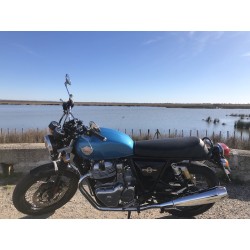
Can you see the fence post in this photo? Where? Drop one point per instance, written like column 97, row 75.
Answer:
column 157, row 133
column 197, row 133
column 148, row 132
column 190, row 132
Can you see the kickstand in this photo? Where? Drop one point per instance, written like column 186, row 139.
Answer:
column 129, row 214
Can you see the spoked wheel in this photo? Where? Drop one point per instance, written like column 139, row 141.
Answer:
column 41, row 195
column 202, row 178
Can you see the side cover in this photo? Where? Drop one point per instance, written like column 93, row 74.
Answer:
column 118, row 145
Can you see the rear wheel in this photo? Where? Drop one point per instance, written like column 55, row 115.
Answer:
column 202, row 178
column 44, row 194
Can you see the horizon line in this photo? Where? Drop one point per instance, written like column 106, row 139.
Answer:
column 111, row 102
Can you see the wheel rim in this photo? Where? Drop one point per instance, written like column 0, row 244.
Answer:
column 43, row 192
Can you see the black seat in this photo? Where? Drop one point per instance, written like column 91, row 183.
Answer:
column 183, row 148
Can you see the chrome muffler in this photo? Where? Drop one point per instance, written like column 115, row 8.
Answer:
column 207, row 196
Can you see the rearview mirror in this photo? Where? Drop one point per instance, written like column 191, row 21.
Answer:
column 67, row 80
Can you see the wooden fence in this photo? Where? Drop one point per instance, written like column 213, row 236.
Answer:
column 235, row 139
column 157, row 134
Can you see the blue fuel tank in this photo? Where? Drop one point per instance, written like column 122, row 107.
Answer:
column 118, row 145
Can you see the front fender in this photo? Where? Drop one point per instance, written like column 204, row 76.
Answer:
column 43, row 170
column 50, row 169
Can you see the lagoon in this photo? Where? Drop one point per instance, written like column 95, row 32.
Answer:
column 121, row 118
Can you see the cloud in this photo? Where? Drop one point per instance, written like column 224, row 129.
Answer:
column 246, row 54
column 202, row 39
column 191, row 33
column 25, row 49
column 150, row 41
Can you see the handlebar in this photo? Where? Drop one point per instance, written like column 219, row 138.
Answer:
column 79, row 129
column 97, row 135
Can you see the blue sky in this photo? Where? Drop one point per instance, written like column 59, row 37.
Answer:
column 178, row 67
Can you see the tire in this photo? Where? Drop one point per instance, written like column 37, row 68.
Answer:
column 30, row 195
column 209, row 177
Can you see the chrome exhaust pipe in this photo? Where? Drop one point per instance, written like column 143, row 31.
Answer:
column 207, row 196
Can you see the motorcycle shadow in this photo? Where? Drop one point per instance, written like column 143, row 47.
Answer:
column 174, row 217
column 44, row 216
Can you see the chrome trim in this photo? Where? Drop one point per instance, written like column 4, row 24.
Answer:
column 74, row 167
column 66, row 150
column 48, row 144
column 55, row 166
column 149, row 170
column 208, row 196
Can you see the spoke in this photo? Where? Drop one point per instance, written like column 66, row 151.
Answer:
column 41, row 194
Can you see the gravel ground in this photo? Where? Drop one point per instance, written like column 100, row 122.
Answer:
column 236, row 206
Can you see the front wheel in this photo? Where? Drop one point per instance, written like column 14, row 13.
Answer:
column 44, row 194
column 203, row 178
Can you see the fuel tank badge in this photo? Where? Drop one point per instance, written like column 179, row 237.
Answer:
column 87, row 150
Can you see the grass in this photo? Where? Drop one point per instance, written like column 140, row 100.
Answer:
column 167, row 105
column 29, row 136
column 242, row 125
column 242, row 116
column 36, row 136
column 215, row 121
column 231, row 142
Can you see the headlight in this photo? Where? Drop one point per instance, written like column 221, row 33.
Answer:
column 48, row 143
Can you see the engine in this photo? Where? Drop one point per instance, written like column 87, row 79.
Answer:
column 114, row 183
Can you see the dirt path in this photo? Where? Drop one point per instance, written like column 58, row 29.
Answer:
column 236, row 206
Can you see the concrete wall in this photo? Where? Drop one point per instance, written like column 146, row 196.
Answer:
column 239, row 162
column 25, row 156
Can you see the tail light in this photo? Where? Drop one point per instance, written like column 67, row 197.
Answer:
column 224, row 148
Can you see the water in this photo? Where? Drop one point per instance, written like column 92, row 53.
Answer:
column 136, row 118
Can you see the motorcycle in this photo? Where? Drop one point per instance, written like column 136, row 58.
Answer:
column 115, row 173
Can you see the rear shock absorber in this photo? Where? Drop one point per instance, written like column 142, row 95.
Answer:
column 178, row 173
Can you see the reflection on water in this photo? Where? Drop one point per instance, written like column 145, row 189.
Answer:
column 177, row 120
